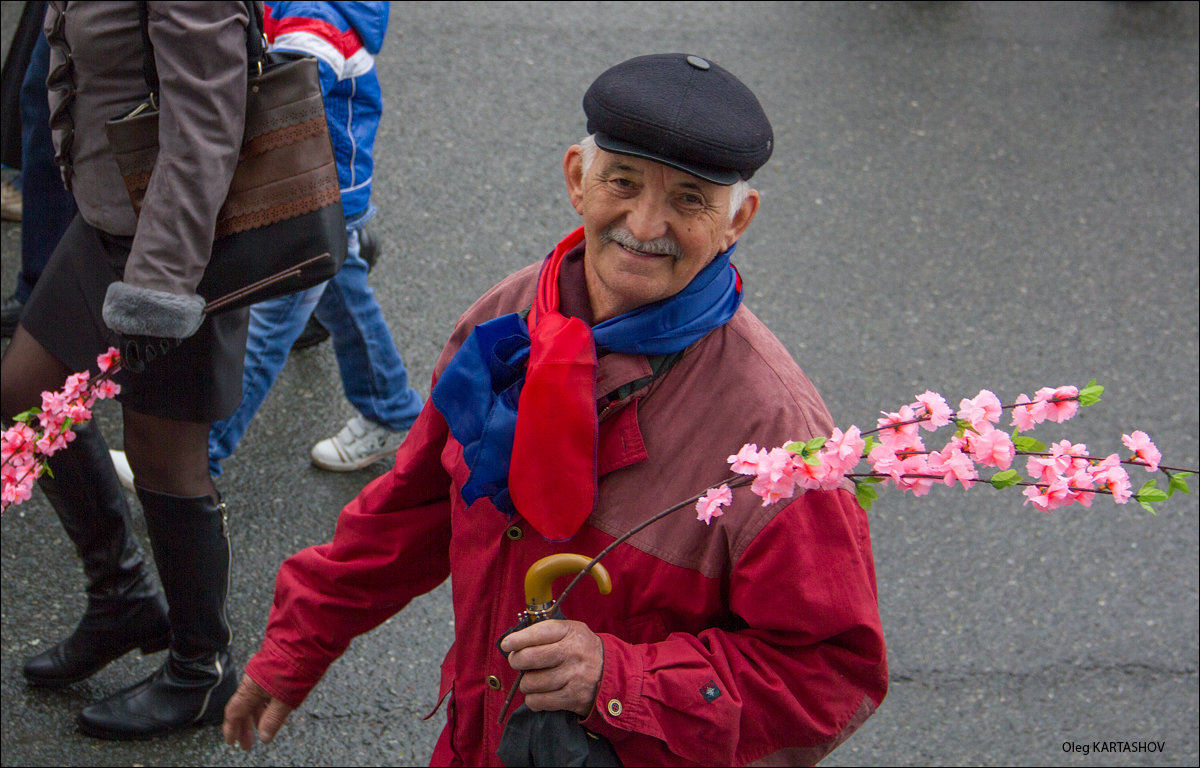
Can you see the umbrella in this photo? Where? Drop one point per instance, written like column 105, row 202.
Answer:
column 551, row 738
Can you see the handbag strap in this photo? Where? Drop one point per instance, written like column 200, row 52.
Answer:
column 256, row 44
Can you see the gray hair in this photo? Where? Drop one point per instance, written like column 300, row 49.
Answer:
column 738, row 191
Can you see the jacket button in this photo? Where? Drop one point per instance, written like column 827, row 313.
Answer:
column 514, row 533
column 493, row 682
column 614, row 707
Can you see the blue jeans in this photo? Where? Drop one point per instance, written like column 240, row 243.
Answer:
column 373, row 375
column 47, row 208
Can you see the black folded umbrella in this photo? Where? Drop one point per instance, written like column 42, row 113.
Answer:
column 551, row 739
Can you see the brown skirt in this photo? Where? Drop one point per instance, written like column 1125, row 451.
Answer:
column 198, row 381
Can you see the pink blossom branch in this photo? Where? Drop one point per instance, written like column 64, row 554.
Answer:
column 25, row 450
column 954, row 414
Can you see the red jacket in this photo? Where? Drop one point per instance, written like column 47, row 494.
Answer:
column 758, row 637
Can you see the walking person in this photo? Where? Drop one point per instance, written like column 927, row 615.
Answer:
column 344, row 38
column 119, row 279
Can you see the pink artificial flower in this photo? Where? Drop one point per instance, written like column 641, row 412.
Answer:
column 76, row 386
column 776, row 478
column 1059, row 411
column 992, row 447
column 1042, row 469
column 79, row 412
column 54, row 411
column 1121, row 489
column 883, row 460
column 1025, row 417
column 911, row 468
column 1069, row 457
column 18, row 440
column 778, row 466
column 709, row 505
column 935, row 407
column 984, row 407
column 842, row 451
column 107, row 359
column 813, row 476
column 51, row 443
column 746, row 461
column 1111, row 475
column 1050, row 498
column 17, row 492
column 771, row 491
column 1143, row 449
column 902, row 435
column 953, row 465
column 1080, row 486
column 106, row 389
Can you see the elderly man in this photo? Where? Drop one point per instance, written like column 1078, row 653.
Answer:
column 574, row 400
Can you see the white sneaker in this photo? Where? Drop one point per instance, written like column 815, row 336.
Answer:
column 121, row 464
column 359, row 444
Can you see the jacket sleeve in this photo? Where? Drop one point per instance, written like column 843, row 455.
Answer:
column 200, row 55
column 805, row 670
column 391, row 544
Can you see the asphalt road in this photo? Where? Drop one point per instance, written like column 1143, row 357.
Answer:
column 963, row 195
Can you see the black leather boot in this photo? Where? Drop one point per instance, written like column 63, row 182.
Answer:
column 191, row 548
column 125, row 608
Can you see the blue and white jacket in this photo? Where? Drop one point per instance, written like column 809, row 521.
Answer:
column 344, row 37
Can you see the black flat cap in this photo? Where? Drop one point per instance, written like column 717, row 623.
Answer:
column 682, row 111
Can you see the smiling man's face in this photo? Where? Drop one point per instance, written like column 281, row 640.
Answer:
column 649, row 228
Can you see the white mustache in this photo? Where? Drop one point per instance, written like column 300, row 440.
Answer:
column 625, row 239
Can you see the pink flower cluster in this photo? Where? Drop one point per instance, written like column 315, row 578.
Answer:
column 1068, row 475
column 778, row 472
column 902, row 457
column 1062, row 475
column 1055, row 404
column 24, row 450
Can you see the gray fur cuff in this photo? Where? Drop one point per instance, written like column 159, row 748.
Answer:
column 134, row 311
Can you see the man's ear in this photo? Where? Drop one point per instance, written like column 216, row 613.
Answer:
column 741, row 219
column 573, row 171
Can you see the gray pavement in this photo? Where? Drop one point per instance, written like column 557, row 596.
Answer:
column 963, row 195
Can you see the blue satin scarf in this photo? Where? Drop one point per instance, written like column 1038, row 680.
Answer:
column 480, row 391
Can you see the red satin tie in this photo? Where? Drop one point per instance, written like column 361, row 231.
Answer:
column 552, row 478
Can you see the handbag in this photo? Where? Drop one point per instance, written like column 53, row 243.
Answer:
column 281, row 228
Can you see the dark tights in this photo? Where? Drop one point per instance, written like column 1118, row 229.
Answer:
column 166, row 455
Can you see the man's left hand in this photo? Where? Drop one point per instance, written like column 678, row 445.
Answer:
column 563, row 662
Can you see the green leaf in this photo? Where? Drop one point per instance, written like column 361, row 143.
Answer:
column 1178, row 482
column 1150, row 493
column 868, row 444
column 794, row 448
column 1005, row 479
column 27, row 415
column 814, row 445
column 1148, row 508
column 811, row 460
column 1090, row 395
column 1029, row 444
column 872, row 479
column 866, row 495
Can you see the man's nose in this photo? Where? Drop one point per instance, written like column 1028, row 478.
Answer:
column 647, row 218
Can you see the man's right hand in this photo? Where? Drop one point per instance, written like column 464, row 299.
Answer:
column 253, row 709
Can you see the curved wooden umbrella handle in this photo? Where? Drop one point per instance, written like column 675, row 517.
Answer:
column 541, row 575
